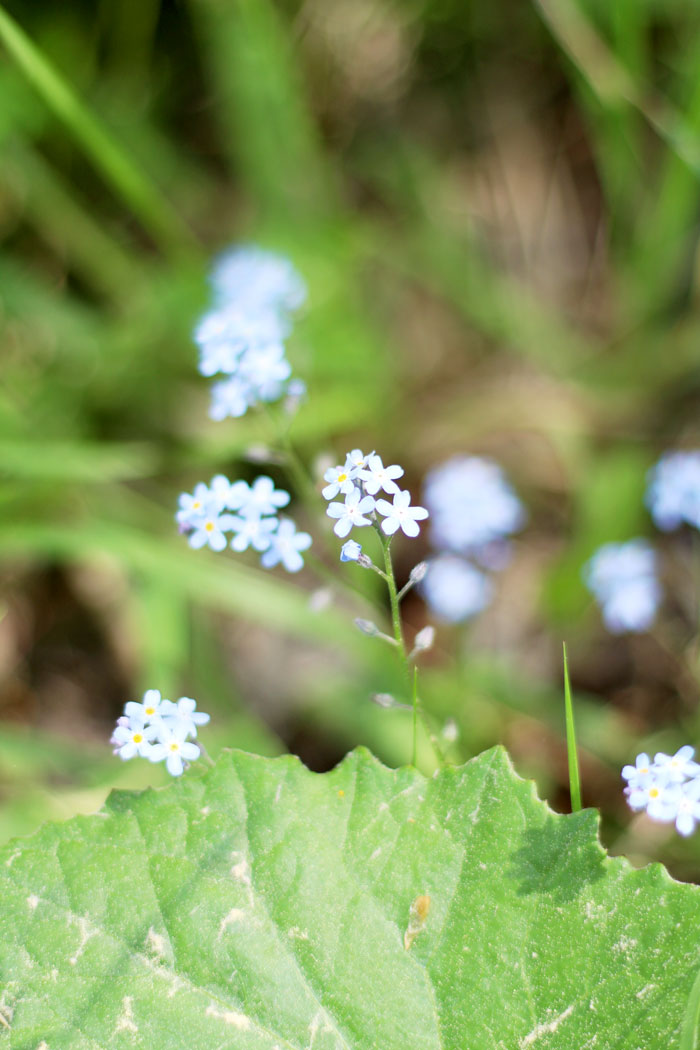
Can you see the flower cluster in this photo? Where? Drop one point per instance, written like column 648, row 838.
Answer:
column 673, row 495
column 360, row 480
column 622, row 577
column 249, row 514
column 668, row 788
column 242, row 335
column 473, row 511
column 158, row 729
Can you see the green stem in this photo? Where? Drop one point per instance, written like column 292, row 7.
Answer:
column 574, row 776
column 414, row 760
column 411, row 676
column 394, row 600
column 158, row 217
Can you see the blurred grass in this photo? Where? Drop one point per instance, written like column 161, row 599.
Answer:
column 496, row 209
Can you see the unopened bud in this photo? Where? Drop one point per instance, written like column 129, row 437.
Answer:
column 418, row 572
column 386, row 700
column 367, row 627
column 450, row 731
column 424, row 639
column 383, row 700
column 320, row 599
column 365, row 561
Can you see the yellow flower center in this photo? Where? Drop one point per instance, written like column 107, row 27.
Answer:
column 342, row 478
column 174, row 746
column 150, row 710
column 654, row 793
column 209, row 526
column 196, row 505
column 137, row 738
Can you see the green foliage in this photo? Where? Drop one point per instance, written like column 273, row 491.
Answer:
column 261, row 905
column 433, row 324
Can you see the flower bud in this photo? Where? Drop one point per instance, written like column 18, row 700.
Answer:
column 383, row 700
column 418, row 572
column 424, row 639
column 367, row 627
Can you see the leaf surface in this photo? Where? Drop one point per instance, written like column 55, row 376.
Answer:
column 262, row 906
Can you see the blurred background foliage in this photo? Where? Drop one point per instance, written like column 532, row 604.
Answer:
column 496, row 209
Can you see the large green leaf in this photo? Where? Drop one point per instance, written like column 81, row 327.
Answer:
column 264, row 906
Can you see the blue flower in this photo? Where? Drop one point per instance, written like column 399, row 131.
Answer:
column 211, row 532
column 225, row 336
column 257, row 281
column 622, row 577
column 252, row 532
column 207, row 501
column 351, row 513
column 673, row 495
column 259, row 499
column 350, row 551
column 667, row 788
column 400, row 515
column 285, row 547
column 454, row 589
column 243, row 335
column 471, row 504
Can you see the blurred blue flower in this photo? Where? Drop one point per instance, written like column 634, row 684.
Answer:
column 471, row 504
column 243, row 335
column 673, row 495
column 257, row 281
column 454, row 589
column 285, row 546
column 350, row 551
column 622, row 577
column 225, row 335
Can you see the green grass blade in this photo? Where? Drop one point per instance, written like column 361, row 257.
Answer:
column 690, row 1035
column 612, row 83
column 574, row 777
column 64, row 222
column 262, row 108
column 129, row 182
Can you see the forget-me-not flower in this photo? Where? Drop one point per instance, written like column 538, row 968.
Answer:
column 285, row 546
column 668, row 788
column 230, row 397
column 148, row 711
column 173, row 747
column 400, row 514
column 158, row 729
column 242, row 336
column 226, row 337
column 376, row 476
column 183, row 716
column 133, row 739
column 350, row 551
column 673, row 495
column 340, row 479
column 257, row 280
column 252, row 532
column 688, row 807
column 678, row 767
column 351, row 513
column 622, row 577
column 640, row 773
column 471, row 504
column 253, row 524
column 454, row 589
column 210, row 532
column 261, row 498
